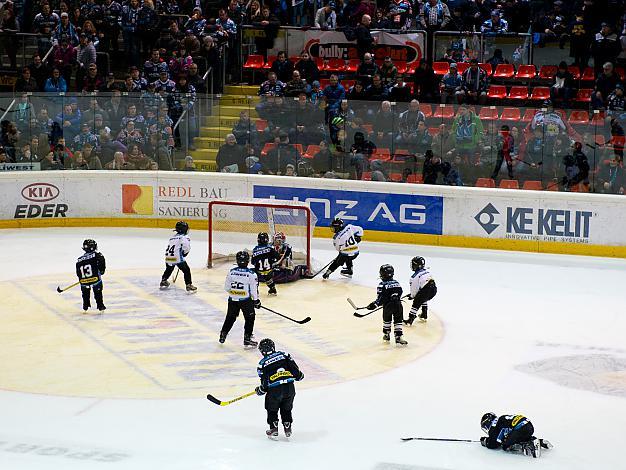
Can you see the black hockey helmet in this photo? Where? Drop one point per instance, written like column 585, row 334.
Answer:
column 386, row 272
column 263, row 238
column 90, row 245
column 243, row 258
column 337, row 224
column 417, row 263
column 267, row 346
column 486, row 420
column 182, row 227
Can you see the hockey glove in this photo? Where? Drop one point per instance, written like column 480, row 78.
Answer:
column 301, row 377
column 257, row 303
column 483, row 441
column 372, row 306
column 259, row 391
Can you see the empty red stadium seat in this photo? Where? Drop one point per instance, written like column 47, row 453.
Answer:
column 532, row 185
column 487, row 68
column 433, row 131
column 441, row 68
column 504, row 71
column 510, row 114
column 381, row 154
column 311, row 150
column 600, row 140
column 462, row 66
column 415, row 178
column 485, row 183
column 266, row 148
column 497, row 92
column 397, row 177
column 270, row 61
column 529, row 114
column 597, row 120
column 488, row 113
column 335, row 65
column 509, row 184
column 518, row 93
column 584, row 95
column 367, row 176
column 319, row 62
column 353, row 65
column 299, row 148
column 588, row 75
column 254, row 62
column 369, row 128
column 426, row 109
column 401, row 66
column 575, row 71
column 347, row 84
column 579, row 117
column 548, row 71
column 620, row 71
column 411, row 66
column 444, row 112
column 540, row 93
column 526, row 72
column 261, row 125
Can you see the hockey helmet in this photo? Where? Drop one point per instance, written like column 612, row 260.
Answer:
column 263, row 238
column 181, row 227
column 336, row 224
column 486, row 420
column 243, row 258
column 417, row 263
column 279, row 238
column 386, row 272
column 267, row 346
column 90, row 245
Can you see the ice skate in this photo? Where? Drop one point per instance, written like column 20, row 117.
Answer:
column 422, row 319
column 101, row 308
column 272, row 291
column 401, row 341
column 272, row 432
column 191, row 288
column 287, row 427
column 248, row 341
column 545, row 444
column 164, row 284
column 346, row 272
column 326, row 275
column 386, row 337
column 410, row 321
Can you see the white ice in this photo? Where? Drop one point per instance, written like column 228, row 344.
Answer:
column 500, row 310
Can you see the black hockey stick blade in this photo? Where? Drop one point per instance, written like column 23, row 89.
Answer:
column 300, row 322
column 212, row 399
column 311, row 276
column 440, row 439
column 361, row 315
column 59, row 290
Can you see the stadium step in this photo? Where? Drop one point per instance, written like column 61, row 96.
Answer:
column 209, row 142
column 233, row 111
column 239, row 100
column 221, row 121
column 240, row 90
column 204, row 154
column 219, row 132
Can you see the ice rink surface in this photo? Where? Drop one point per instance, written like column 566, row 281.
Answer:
column 541, row 335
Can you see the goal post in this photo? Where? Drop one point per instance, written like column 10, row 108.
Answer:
column 234, row 226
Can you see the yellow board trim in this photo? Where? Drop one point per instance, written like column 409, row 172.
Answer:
column 370, row 235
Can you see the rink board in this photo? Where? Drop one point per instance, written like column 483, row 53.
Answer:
column 536, row 221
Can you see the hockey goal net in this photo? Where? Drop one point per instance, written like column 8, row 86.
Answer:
column 235, row 225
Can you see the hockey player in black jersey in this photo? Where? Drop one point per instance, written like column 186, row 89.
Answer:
column 89, row 269
column 389, row 295
column 422, row 289
column 264, row 258
column 511, row 433
column 278, row 372
column 242, row 286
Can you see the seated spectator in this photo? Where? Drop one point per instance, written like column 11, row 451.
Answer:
column 409, row 119
column 79, row 162
column 39, row 71
column 340, row 119
column 245, row 130
column 281, row 155
column 605, row 47
column 325, row 17
column 495, row 25
column 140, row 82
column 380, row 21
column 384, row 125
column 388, row 72
column 467, row 130
column 296, row 85
column 130, row 135
column 63, row 57
column 356, row 92
column 400, row 90
column 134, row 116
column 194, row 79
column 317, row 94
column 164, row 85
column 616, row 103
column 90, row 157
column 576, row 168
column 25, row 83
column 377, row 91
column 443, row 141
column 269, row 88
column 426, row 83
column 92, row 81
column 51, row 162
column 341, row 160
column 152, row 68
column 379, row 173
column 230, row 156
column 451, row 85
column 431, row 168
column 611, row 178
column 551, row 123
column 307, row 67
column 367, row 69
column 399, row 14
column 605, row 84
column 56, row 83
column 119, row 163
column 189, row 164
column 306, row 120
column 474, row 84
column 24, row 113
column 140, row 161
column 182, row 59
column 85, row 57
column 156, row 149
column 86, row 136
column 278, row 117
column 562, row 85
column 322, row 160
column 450, row 175
column 421, row 140
column 282, row 67
column 69, row 120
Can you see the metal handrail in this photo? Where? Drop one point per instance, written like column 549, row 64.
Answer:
column 45, row 58
column 6, row 111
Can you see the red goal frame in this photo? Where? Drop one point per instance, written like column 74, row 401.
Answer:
column 252, row 204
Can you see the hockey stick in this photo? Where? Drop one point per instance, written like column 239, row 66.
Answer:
column 354, row 305
column 300, row 322
column 176, row 275
column 361, row 315
column 59, row 290
column 311, row 276
column 212, row 399
column 436, row 439
column 529, row 164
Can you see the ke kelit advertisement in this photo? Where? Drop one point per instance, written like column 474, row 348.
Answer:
column 405, row 213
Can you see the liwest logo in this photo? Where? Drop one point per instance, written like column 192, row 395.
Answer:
column 544, row 224
column 137, row 199
column 374, row 211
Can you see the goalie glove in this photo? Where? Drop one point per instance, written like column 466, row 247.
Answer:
column 259, row 390
column 301, row 377
column 372, row 306
column 257, row 303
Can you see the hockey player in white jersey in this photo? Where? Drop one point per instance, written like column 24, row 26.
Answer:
column 242, row 286
column 346, row 241
column 422, row 289
column 178, row 247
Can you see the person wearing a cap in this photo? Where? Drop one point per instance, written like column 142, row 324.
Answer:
column 495, row 25
column 616, row 103
column 451, row 85
column 164, row 84
column 65, row 29
column 605, row 48
column 325, row 17
column 85, row 137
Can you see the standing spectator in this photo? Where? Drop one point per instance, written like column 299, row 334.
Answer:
column 39, row 71
column 425, row 82
column 611, row 177
column 128, row 20
column 451, row 85
column 65, row 30
column 245, row 130
column 579, row 42
column 605, row 47
column 45, row 23
column 325, row 17
column 562, row 85
column 474, row 85
column 152, row 68
column 434, row 16
column 364, row 39
column 334, row 93
column 431, row 168
column 270, row 24
column 196, row 23
column 9, row 25
column 148, row 26
column 282, row 67
column 495, row 25
column 307, row 67
column 64, row 57
column 85, row 57
column 110, row 29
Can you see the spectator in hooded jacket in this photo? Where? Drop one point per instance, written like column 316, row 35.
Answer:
column 325, row 17
column 606, row 47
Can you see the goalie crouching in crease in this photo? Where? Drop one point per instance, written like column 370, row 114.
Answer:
column 284, row 269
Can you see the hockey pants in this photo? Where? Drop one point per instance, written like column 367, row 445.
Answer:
column 184, row 267
column 280, row 398
column 266, row 277
column 517, row 436
column 283, row 275
column 342, row 259
column 97, row 294
column 393, row 310
column 234, row 306
column 424, row 295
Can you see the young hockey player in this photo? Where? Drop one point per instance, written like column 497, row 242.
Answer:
column 511, row 432
column 346, row 241
column 264, row 258
column 89, row 268
column 242, row 286
column 389, row 295
column 422, row 289
column 285, row 270
column 278, row 372
column 177, row 249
